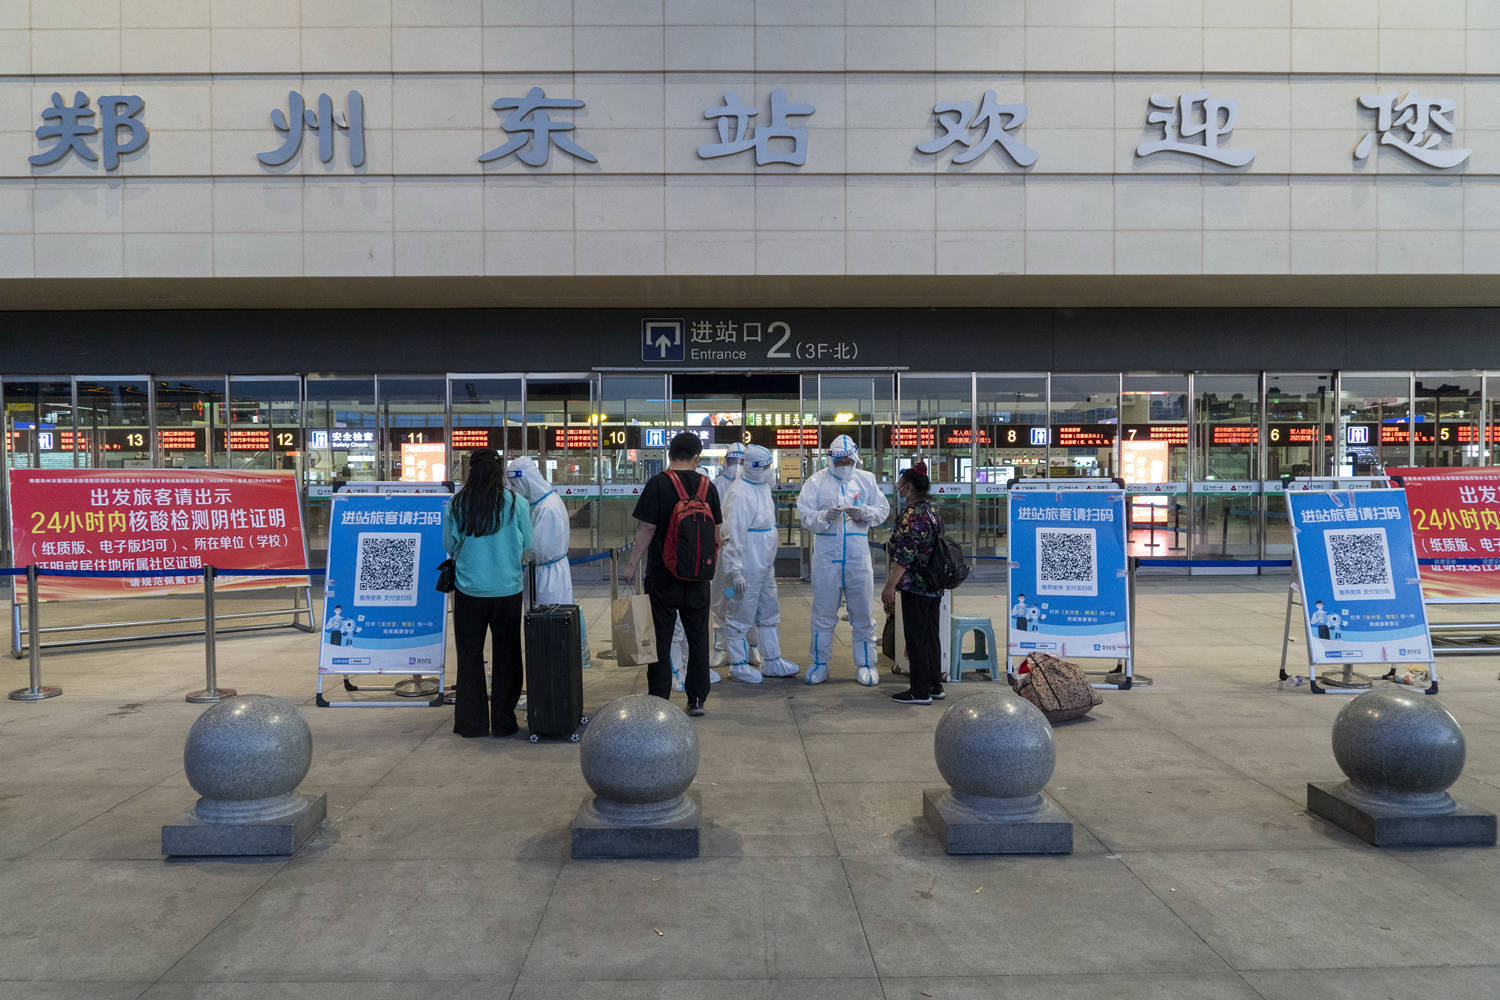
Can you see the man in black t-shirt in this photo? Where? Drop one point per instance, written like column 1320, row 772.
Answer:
column 670, row 596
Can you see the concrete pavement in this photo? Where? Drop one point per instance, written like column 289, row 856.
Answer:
column 444, row 868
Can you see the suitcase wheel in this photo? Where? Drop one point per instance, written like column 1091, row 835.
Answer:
column 535, row 738
column 572, row 737
column 583, row 721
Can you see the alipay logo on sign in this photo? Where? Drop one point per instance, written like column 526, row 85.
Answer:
column 662, row 339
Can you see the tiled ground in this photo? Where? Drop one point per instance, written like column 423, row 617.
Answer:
column 444, row 869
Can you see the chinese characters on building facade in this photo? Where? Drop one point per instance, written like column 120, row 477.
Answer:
column 1193, row 124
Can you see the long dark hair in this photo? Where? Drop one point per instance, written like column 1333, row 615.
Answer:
column 483, row 505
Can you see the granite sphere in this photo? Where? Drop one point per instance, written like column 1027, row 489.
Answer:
column 995, row 745
column 1398, row 742
column 639, row 749
column 250, row 747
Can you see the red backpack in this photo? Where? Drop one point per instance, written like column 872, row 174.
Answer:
column 691, row 546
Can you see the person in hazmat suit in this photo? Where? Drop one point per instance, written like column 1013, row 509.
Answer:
column 734, row 459
column 839, row 504
column 550, row 532
column 748, row 562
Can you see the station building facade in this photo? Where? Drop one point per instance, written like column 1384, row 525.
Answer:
column 1201, row 246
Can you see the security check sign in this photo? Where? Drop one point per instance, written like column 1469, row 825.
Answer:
column 1357, row 563
column 1069, row 579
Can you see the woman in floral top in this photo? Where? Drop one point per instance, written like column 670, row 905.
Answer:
column 910, row 550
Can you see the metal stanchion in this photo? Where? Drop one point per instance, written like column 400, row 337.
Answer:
column 614, row 595
column 212, row 693
column 36, row 692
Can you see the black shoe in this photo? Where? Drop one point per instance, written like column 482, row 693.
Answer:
column 908, row 698
column 695, row 707
column 938, row 694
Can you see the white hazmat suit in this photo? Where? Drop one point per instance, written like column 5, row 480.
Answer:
column 839, row 504
column 734, row 459
column 550, row 532
column 748, row 561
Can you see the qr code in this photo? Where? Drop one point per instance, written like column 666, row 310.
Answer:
column 1067, row 561
column 1359, row 564
column 385, row 569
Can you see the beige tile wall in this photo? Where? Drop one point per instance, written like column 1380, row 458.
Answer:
column 196, row 201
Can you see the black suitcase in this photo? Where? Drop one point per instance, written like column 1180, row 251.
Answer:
column 554, row 671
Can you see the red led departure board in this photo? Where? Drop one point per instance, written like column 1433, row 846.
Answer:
column 796, row 437
column 1283, row 434
column 1234, row 434
column 250, row 439
column 913, row 437
column 963, row 437
column 1170, row 433
column 1085, row 435
column 575, row 437
column 181, row 439
column 468, row 438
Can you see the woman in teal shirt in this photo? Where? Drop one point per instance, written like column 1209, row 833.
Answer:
column 487, row 529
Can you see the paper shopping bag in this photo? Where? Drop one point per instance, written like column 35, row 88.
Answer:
column 634, row 630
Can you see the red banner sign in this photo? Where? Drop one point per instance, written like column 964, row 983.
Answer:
column 1455, row 514
column 156, row 521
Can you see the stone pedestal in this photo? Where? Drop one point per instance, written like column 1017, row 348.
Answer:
column 245, row 756
column 674, row 834
column 639, row 754
column 965, row 829
column 191, row 836
column 1401, row 751
column 995, row 751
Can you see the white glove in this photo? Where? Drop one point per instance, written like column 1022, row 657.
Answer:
column 737, row 581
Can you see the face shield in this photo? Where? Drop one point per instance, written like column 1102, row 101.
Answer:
column 523, row 476
column 757, row 467
column 733, row 461
column 843, row 456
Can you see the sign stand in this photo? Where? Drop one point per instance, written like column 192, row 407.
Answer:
column 417, row 686
column 410, row 525
column 1359, row 553
column 1123, row 677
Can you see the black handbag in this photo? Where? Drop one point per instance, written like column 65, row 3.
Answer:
column 447, row 579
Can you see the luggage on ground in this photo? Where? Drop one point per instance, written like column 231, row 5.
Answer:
column 1059, row 688
column 554, row 671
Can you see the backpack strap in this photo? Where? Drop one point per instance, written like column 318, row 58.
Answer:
column 703, row 485
column 677, row 484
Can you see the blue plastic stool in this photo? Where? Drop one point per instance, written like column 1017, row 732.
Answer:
column 984, row 655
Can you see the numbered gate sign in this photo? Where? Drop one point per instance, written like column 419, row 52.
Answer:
column 1069, row 579
column 381, row 609
column 1357, row 563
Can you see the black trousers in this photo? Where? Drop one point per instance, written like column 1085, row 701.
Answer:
column 671, row 597
column 919, row 620
column 474, row 713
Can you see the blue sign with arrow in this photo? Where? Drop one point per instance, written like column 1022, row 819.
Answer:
column 662, row 340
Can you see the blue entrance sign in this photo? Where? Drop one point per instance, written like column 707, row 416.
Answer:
column 1069, row 578
column 381, row 611
column 662, row 340
column 1357, row 563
